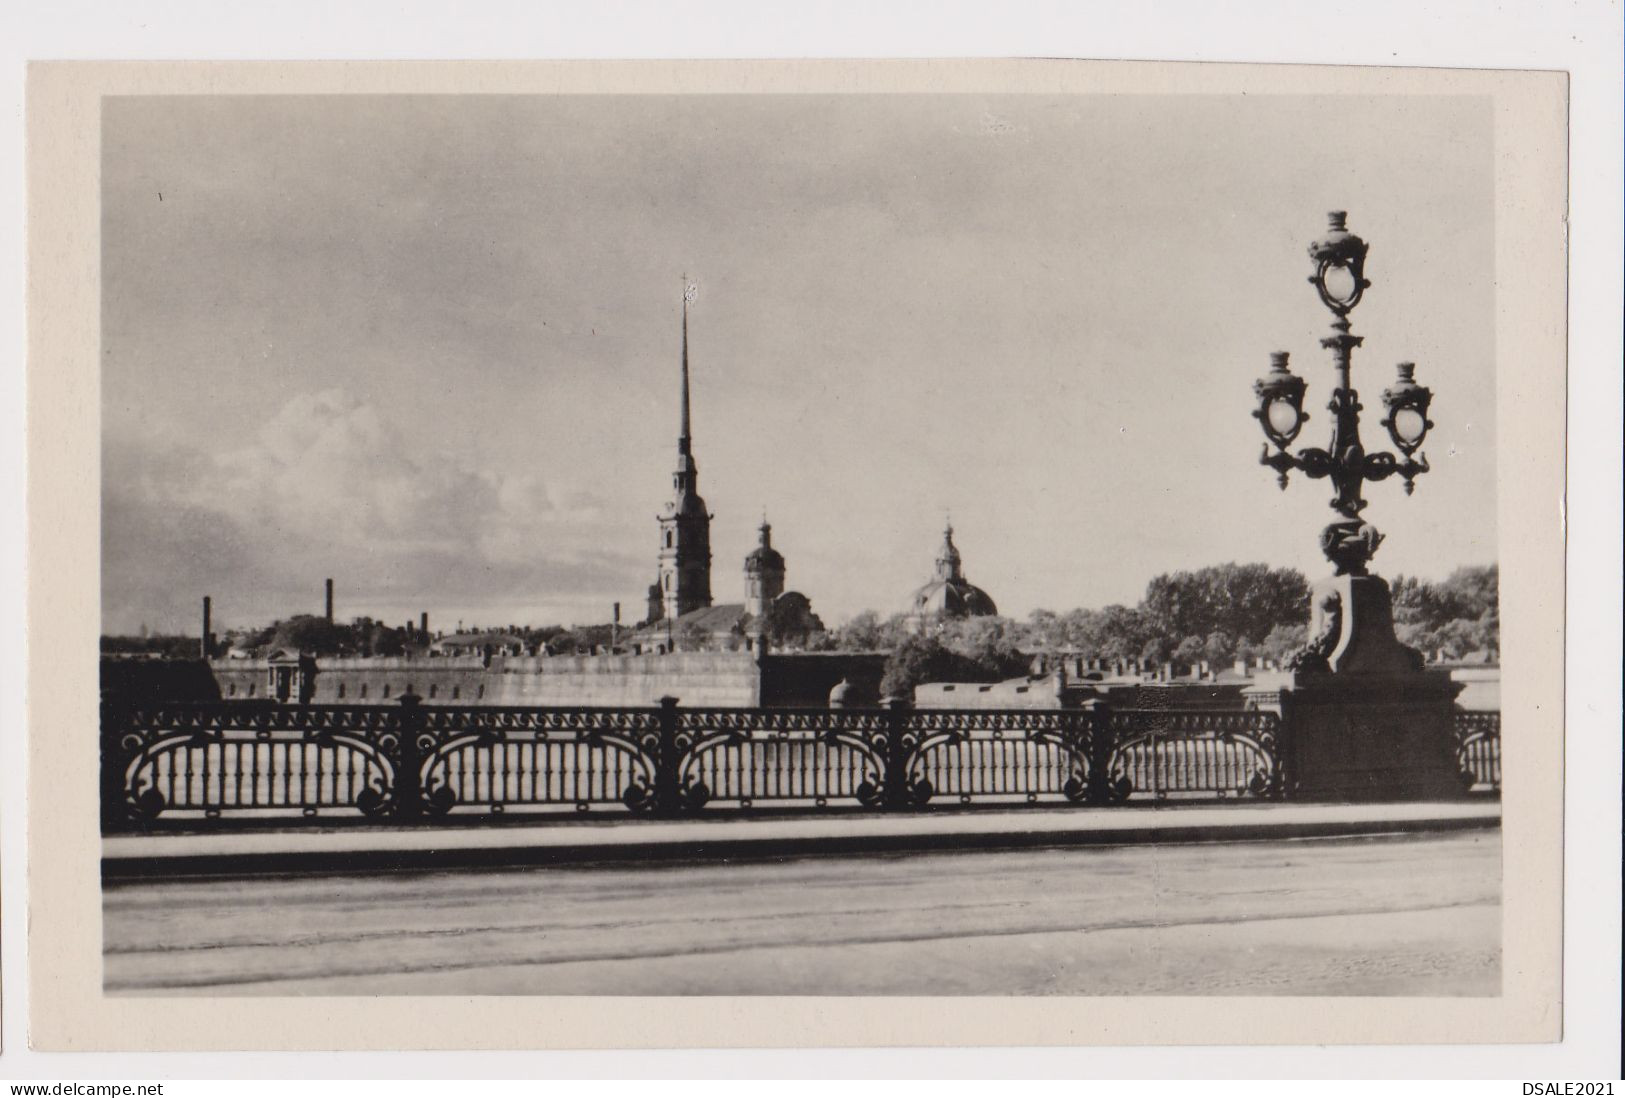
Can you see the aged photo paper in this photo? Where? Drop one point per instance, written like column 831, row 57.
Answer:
column 1006, row 313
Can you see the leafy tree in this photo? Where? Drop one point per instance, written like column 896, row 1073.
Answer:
column 1158, row 649
column 563, row 643
column 867, row 632
column 1113, row 633
column 1189, row 651
column 312, row 634
column 1458, row 615
column 820, row 642
column 1045, row 631
column 384, row 641
column 1473, row 592
column 921, row 659
column 593, row 637
column 861, row 633
column 1219, row 648
column 1284, row 640
column 539, row 637
column 1243, row 601
column 790, row 619
column 990, row 644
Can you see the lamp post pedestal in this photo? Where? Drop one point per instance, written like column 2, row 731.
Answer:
column 1367, row 735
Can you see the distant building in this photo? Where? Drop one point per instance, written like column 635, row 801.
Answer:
column 768, row 609
column 479, row 644
column 683, row 577
column 948, row 594
column 682, row 616
column 764, row 573
column 290, row 675
column 688, row 646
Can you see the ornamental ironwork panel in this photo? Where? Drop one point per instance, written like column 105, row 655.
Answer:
column 816, row 757
column 1186, row 752
column 531, row 759
column 209, row 759
column 1000, row 755
column 1478, row 749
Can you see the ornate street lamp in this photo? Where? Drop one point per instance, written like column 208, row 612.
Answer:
column 1364, row 715
column 1340, row 281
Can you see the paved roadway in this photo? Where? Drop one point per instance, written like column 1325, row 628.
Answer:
column 1417, row 915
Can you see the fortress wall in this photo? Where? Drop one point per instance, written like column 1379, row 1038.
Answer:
column 239, row 679
column 695, row 678
column 1011, row 694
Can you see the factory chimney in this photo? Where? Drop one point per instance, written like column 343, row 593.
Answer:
column 203, row 645
column 330, row 602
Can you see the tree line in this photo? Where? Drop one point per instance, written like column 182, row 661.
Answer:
column 362, row 636
column 1215, row 614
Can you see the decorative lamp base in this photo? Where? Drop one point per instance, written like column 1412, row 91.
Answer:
column 1352, row 623
column 1365, row 720
column 1370, row 736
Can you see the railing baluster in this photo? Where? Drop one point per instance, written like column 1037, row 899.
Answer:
column 827, row 753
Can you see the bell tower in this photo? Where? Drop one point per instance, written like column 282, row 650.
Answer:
column 948, row 563
column 764, row 574
column 685, row 525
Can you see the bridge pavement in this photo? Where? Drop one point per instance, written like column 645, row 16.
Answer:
column 1395, row 915
column 289, row 846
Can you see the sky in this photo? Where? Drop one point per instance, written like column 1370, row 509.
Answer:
column 429, row 346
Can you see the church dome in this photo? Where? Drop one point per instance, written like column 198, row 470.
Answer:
column 764, row 558
column 950, row 599
column 761, row 559
column 949, row 594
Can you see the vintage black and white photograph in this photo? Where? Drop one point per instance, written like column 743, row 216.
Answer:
column 760, row 544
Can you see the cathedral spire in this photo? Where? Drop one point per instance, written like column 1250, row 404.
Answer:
column 685, row 525
column 684, row 439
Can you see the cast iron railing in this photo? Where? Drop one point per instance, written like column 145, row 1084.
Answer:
column 400, row 762
column 406, row 761
column 1478, row 749
column 1181, row 753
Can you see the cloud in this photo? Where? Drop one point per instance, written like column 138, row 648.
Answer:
column 329, row 488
